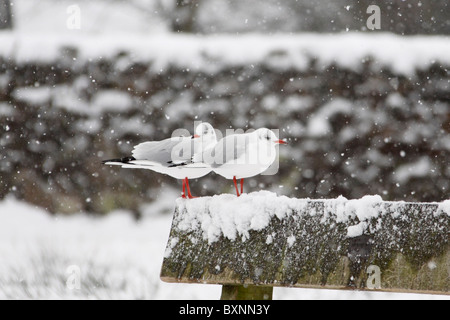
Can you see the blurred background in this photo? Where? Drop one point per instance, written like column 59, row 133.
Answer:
column 364, row 111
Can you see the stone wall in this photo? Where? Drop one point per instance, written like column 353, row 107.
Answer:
column 351, row 131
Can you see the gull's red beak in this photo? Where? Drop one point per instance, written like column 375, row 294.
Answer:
column 195, row 136
column 281, row 142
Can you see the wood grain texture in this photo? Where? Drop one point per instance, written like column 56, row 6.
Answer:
column 310, row 246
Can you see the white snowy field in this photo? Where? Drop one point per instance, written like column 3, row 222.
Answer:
column 403, row 55
column 117, row 257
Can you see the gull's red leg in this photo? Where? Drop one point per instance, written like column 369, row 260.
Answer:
column 235, row 185
column 189, row 189
column 242, row 185
column 183, row 195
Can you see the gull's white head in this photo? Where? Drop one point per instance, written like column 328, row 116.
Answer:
column 206, row 133
column 268, row 136
column 204, row 129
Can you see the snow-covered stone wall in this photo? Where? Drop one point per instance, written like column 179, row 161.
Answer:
column 362, row 114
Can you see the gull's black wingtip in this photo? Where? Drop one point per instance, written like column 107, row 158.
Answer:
column 121, row 160
column 177, row 164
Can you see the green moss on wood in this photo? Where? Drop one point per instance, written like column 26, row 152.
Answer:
column 408, row 242
column 246, row 292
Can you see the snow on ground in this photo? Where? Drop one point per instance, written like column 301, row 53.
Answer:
column 117, row 257
column 210, row 53
column 96, row 16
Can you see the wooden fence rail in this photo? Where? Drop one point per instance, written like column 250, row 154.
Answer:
column 260, row 240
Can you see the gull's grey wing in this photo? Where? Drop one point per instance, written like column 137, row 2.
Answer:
column 166, row 152
column 228, row 149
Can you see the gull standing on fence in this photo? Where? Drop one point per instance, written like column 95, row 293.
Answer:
column 239, row 156
column 173, row 156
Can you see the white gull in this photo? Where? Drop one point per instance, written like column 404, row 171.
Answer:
column 239, row 156
column 173, row 156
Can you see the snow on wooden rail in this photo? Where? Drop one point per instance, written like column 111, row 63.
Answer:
column 268, row 240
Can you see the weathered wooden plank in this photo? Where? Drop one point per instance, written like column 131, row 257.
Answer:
column 249, row 292
column 263, row 239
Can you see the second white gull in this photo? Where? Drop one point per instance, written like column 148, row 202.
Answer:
column 240, row 156
column 173, row 156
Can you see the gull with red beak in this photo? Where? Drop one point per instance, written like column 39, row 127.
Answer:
column 240, row 156
column 173, row 156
